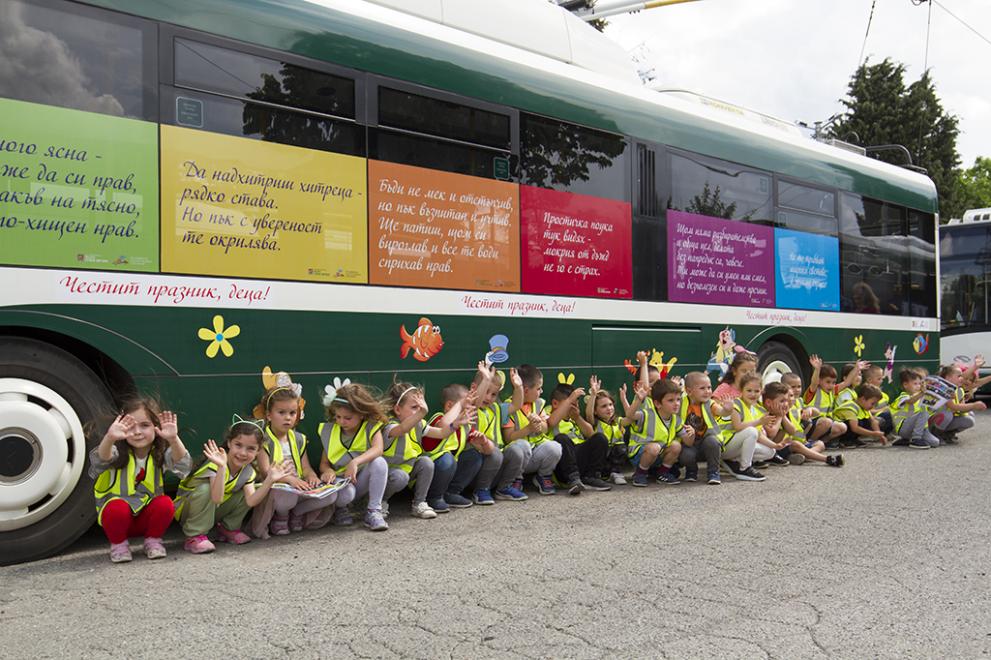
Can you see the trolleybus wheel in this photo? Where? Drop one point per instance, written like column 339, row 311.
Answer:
column 776, row 359
column 46, row 499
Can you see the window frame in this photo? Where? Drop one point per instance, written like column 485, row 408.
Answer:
column 685, row 153
column 778, row 207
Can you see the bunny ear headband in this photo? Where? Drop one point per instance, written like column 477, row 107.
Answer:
column 565, row 380
column 330, row 392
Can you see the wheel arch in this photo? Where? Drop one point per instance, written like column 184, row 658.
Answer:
column 792, row 338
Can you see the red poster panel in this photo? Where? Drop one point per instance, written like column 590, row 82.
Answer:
column 575, row 245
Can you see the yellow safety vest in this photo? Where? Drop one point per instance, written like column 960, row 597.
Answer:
column 795, row 417
column 846, row 394
column 520, row 421
column 118, row 484
column 958, row 397
column 713, row 422
column 490, row 423
column 403, row 450
column 747, row 414
column 233, row 484
column 824, row 401
column 613, row 432
column 454, row 443
column 901, row 409
column 297, row 446
column 851, row 410
column 653, row 429
column 340, row 452
column 565, row 427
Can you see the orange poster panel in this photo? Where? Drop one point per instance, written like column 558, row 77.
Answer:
column 441, row 230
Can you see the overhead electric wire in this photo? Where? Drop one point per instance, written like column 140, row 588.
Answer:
column 864, row 47
column 961, row 21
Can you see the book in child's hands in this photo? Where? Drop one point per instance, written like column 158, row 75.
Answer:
column 318, row 492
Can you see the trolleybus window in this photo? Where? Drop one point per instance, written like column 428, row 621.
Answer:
column 922, row 258
column 720, row 189
column 803, row 208
column 965, row 265
column 873, row 257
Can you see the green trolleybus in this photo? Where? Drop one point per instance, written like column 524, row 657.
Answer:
column 198, row 199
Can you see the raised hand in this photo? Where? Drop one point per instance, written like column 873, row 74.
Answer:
column 483, row 369
column 214, row 454
column 121, row 427
column 594, row 385
column 577, row 394
column 862, row 364
column 640, row 390
column 641, row 356
column 815, row 361
column 279, row 471
column 169, row 429
column 514, row 378
column 979, row 360
column 622, row 390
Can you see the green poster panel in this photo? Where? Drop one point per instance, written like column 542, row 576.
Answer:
column 77, row 189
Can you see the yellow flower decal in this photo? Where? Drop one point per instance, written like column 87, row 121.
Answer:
column 858, row 345
column 218, row 337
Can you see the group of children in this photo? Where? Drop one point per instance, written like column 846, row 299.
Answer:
column 479, row 448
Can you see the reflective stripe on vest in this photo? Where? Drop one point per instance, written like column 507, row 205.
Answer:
column 490, row 423
column 118, row 484
column 846, row 394
column 654, row 429
column 795, row 417
column 613, row 432
column 297, row 445
column 233, row 484
column 824, row 401
column 454, row 443
column 901, row 410
column 747, row 414
column 403, row 451
column 338, row 452
column 520, row 421
column 565, row 427
column 856, row 409
column 711, row 421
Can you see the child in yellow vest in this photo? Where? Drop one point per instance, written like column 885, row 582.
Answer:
column 352, row 450
column 859, row 419
column 138, row 447
column 656, row 432
column 403, row 438
column 707, row 419
column 821, row 395
column 492, row 415
column 852, row 375
column 956, row 415
column 530, row 423
column 874, row 375
column 909, row 415
column 600, row 411
column 778, row 400
column 283, row 443
column 741, row 446
column 220, row 492
column 583, row 449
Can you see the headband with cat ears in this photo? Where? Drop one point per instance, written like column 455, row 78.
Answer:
column 237, row 419
column 330, row 392
column 565, row 380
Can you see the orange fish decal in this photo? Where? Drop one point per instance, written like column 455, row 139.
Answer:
column 425, row 342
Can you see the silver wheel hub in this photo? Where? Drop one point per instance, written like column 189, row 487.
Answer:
column 774, row 371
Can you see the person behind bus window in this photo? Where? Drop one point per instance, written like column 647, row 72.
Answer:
column 128, row 465
column 865, row 301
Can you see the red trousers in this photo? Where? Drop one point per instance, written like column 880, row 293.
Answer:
column 119, row 524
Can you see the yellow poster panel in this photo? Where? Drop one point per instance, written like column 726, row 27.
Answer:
column 244, row 208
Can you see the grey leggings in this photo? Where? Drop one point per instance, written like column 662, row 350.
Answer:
column 422, row 473
column 371, row 482
column 514, row 456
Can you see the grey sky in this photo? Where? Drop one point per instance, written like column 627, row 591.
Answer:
column 794, row 58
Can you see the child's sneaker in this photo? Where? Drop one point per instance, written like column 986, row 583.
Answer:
column 483, row 497
column 511, row 493
column 714, row 478
column 198, row 545
column 640, row 478
column 617, row 478
column 760, row 465
column 668, row 477
column 575, row 487
column 458, row 501
column 375, row 521
column 234, row 537
column 439, row 505
column 750, row 474
column 796, row 459
column 594, row 483
column 295, row 523
column 778, row 459
column 343, row 517
column 279, row 526
column 918, row 444
column 385, row 510
column 154, row 549
column 421, row 510
column 120, row 552
column 834, row 460
column 544, row 484
column 691, row 475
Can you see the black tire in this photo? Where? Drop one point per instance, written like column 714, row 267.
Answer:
column 778, row 352
column 60, row 371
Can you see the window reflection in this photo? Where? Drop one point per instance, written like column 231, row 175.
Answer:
column 874, row 258
column 965, row 262
column 77, row 58
column 720, row 189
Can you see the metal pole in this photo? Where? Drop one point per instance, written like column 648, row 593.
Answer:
column 625, row 7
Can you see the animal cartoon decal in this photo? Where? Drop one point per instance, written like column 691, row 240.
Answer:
column 279, row 379
column 656, row 359
column 726, row 350
column 425, row 342
column 889, row 368
column 920, row 344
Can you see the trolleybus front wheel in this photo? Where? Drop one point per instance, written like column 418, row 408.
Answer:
column 776, row 359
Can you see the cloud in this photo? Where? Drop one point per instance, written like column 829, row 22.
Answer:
column 41, row 68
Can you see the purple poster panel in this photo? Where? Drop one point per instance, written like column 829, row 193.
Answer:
column 719, row 262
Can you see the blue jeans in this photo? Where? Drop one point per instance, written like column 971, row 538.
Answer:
column 444, row 467
column 472, row 464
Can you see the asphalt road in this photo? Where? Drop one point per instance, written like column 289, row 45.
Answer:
column 886, row 557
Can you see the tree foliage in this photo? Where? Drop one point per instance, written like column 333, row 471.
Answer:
column 974, row 185
column 881, row 109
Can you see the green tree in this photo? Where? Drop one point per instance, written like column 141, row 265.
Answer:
column 974, row 185
column 881, row 109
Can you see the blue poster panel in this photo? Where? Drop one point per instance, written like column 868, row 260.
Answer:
column 807, row 271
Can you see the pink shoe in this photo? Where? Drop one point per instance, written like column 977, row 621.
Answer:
column 295, row 523
column 279, row 526
column 235, row 537
column 198, row 545
column 154, row 548
column 120, row 552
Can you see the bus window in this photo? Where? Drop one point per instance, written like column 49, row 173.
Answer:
column 922, row 259
column 874, row 257
column 422, row 114
column 719, row 189
column 803, row 208
column 572, row 158
column 965, row 270
column 78, row 57
column 214, row 69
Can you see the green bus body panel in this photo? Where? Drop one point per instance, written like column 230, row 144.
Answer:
column 323, row 34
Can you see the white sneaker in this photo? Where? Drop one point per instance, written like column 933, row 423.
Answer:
column 385, row 509
column 617, row 479
column 423, row 510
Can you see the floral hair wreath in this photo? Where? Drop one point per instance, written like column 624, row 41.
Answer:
column 330, row 392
